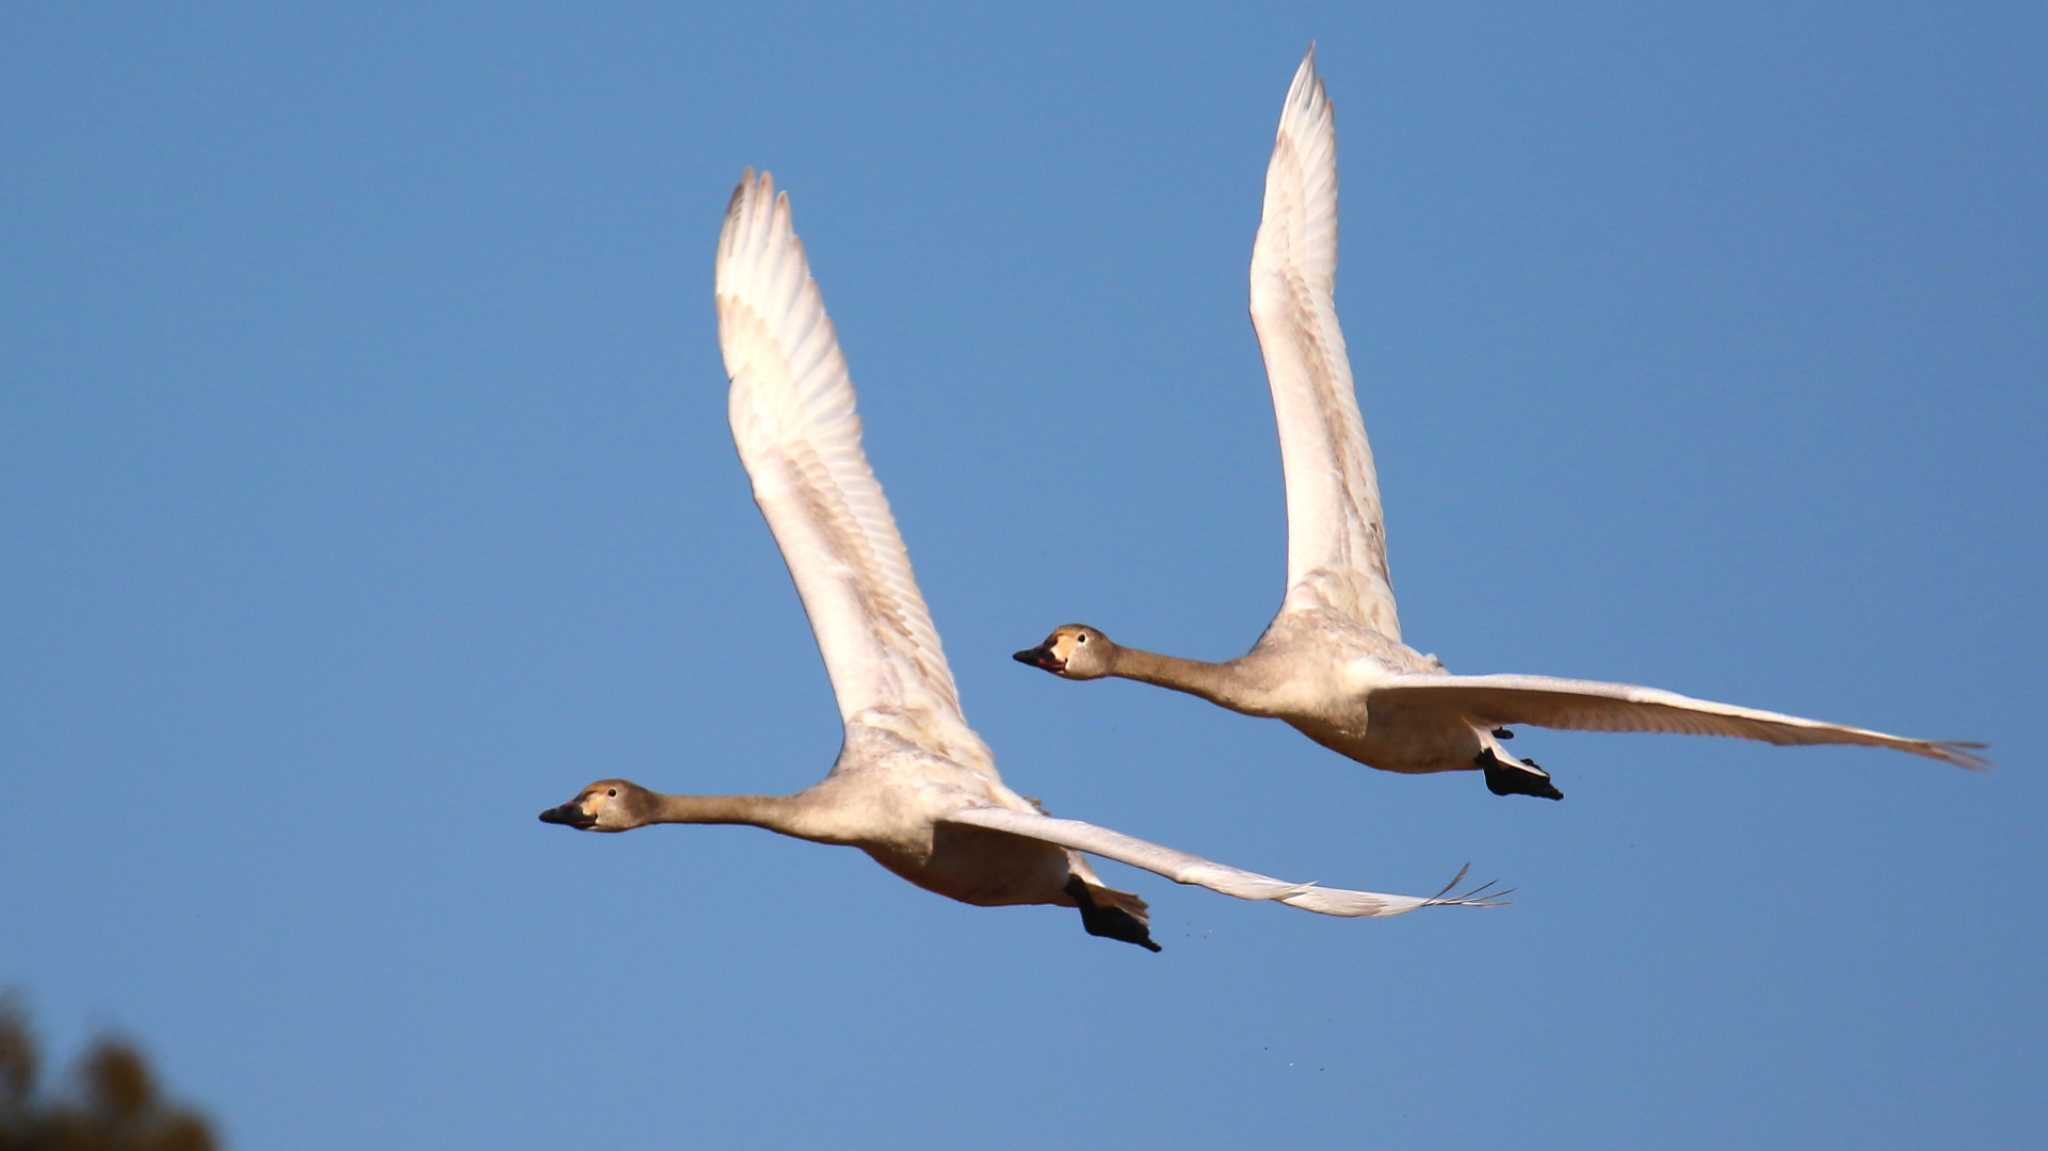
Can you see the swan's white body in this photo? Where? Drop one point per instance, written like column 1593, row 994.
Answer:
column 1332, row 663
column 913, row 786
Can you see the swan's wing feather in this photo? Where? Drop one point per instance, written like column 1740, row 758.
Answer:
column 1181, row 867
column 793, row 419
column 1336, row 539
column 1589, row 705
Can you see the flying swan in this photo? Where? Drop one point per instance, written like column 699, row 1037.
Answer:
column 914, row 786
column 1332, row 664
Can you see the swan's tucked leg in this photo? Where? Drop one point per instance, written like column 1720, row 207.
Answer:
column 1506, row 775
column 1100, row 915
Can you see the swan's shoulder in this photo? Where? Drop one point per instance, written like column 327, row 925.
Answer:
column 900, row 738
column 1311, row 642
column 1357, row 595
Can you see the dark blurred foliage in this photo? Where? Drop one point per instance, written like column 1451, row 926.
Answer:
column 113, row 1104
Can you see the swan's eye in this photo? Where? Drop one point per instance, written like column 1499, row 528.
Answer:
column 1082, row 638
column 612, row 791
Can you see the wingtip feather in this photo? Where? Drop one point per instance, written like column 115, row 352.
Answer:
column 1480, row 896
column 1963, row 753
column 738, row 190
column 1307, row 87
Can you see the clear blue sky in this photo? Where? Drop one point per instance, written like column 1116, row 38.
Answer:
column 365, row 487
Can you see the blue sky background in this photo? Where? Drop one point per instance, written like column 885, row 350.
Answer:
column 365, row 487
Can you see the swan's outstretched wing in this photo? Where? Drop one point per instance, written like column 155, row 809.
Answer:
column 793, row 418
column 1181, row 867
column 1336, row 541
column 1588, row 705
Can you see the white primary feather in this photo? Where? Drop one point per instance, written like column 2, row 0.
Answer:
column 1336, row 539
column 793, row 419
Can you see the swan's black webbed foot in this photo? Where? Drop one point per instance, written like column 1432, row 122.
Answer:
column 1109, row 922
column 1503, row 733
column 1504, row 780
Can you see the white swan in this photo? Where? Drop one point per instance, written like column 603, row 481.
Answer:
column 1332, row 663
column 914, row 786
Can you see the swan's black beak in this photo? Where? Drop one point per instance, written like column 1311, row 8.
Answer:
column 1041, row 656
column 571, row 815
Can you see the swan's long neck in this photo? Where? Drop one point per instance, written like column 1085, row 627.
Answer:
column 786, row 814
column 1223, row 684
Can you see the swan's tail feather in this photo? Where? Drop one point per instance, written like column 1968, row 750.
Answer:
column 1124, row 901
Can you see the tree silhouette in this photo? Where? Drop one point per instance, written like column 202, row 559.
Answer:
column 114, row 1105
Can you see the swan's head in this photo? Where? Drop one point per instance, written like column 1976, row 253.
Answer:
column 607, row 805
column 1072, row 651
